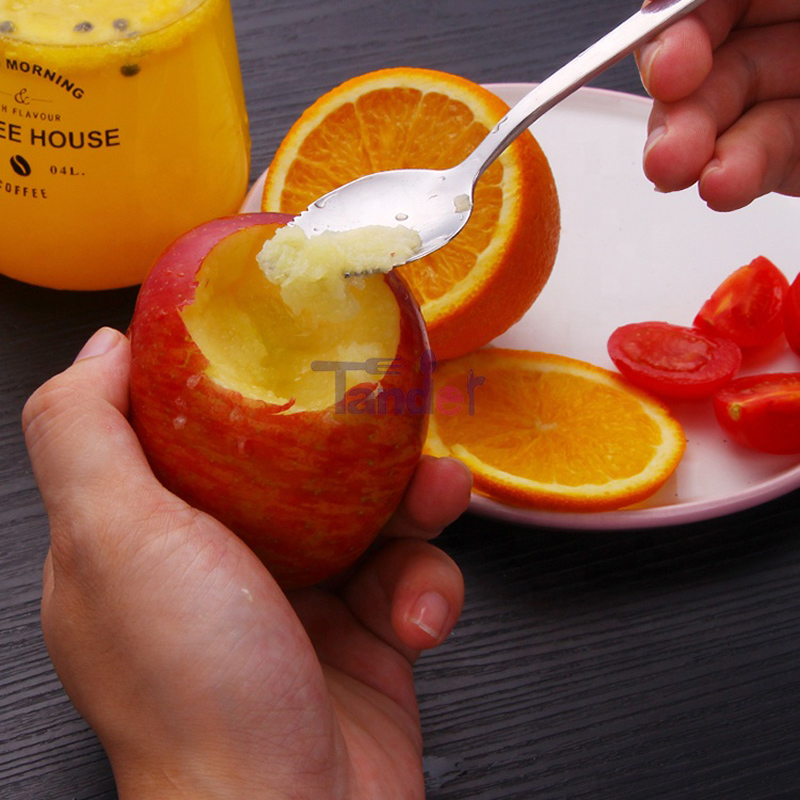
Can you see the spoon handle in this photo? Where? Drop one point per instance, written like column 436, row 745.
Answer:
column 615, row 45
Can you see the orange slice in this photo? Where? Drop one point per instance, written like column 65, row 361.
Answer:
column 546, row 431
column 489, row 275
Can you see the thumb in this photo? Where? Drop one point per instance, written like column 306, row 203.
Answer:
column 86, row 458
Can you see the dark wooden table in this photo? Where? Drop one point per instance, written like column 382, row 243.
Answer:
column 658, row 663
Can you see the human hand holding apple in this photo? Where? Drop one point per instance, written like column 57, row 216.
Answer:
column 201, row 677
column 233, row 398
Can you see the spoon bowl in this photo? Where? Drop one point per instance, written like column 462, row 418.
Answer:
column 434, row 203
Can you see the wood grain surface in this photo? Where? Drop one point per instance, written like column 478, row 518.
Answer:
column 645, row 664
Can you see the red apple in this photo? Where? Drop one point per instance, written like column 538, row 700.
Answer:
column 235, row 404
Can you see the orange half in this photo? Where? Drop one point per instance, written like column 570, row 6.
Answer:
column 483, row 281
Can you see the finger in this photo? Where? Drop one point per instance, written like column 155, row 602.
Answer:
column 680, row 142
column 343, row 644
column 410, row 595
column 86, row 458
column 407, row 595
column 675, row 64
column 438, row 494
column 758, row 155
column 753, row 67
column 405, row 599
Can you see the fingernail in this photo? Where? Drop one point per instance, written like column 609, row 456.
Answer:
column 100, row 343
column 712, row 166
column 645, row 58
column 654, row 137
column 431, row 614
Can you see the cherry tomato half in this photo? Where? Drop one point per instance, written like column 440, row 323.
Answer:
column 673, row 361
column 791, row 315
column 747, row 306
column 762, row 411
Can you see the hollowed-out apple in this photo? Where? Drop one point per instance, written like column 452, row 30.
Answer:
column 235, row 401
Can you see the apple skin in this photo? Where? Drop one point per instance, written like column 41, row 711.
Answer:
column 307, row 491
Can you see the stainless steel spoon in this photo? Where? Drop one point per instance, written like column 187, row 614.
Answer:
column 437, row 204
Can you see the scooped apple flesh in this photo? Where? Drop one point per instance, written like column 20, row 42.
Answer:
column 236, row 402
column 257, row 346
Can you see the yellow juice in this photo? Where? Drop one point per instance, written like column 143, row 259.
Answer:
column 122, row 125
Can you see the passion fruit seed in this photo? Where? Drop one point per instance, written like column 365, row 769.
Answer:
column 83, row 27
column 129, row 70
column 120, row 24
column 7, row 26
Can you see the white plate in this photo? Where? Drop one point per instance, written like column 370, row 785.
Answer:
column 629, row 254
